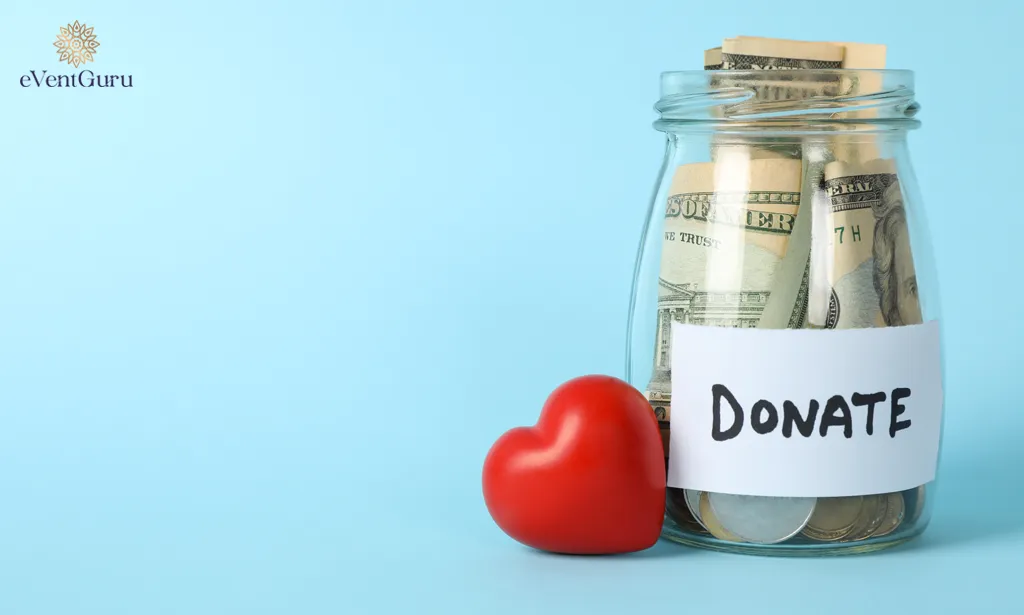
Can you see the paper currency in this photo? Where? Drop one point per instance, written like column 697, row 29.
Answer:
column 787, row 306
column 862, row 55
column 785, row 56
column 795, row 85
column 727, row 227
column 754, row 53
column 713, row 59
column 759, row 53
column 871, row 269
column 854, row 55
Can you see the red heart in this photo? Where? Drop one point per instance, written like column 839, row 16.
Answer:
column 588, row 478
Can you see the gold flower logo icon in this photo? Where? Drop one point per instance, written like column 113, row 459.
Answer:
column 76, row 44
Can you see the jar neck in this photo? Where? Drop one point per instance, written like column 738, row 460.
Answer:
column 774, row 103
column 807, row 129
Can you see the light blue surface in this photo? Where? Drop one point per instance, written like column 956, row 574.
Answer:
column 264, row 313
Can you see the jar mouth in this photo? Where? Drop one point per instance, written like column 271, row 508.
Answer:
column 860, row 99
column 904, row 74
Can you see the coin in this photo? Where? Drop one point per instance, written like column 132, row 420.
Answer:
column 834, row 518
column 711, row 522
column 872, row 514
column 678, row 511
column 693, row 503
column 894, row 511
column 760, row 519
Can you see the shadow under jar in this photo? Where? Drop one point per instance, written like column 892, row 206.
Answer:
column 786, row 200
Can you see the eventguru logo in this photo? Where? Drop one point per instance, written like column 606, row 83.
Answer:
column 76, row 45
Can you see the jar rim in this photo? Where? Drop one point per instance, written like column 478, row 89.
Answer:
column 909, row 73
column 821, row 95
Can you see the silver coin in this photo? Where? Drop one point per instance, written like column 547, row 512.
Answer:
column 693, row 504
column 760, row 519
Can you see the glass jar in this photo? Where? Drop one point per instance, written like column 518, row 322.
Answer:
column 723, row 246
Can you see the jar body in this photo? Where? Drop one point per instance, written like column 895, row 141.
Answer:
column 714, row 253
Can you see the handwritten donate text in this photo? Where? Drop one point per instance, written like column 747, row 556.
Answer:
column 765, row 418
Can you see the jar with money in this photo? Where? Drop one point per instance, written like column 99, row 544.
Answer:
column 784, row 316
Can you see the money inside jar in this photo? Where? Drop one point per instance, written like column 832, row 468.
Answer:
column 738, row 252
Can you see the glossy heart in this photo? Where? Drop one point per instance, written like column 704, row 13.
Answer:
column 588, row 478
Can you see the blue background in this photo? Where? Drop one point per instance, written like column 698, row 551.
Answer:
column 263, row 314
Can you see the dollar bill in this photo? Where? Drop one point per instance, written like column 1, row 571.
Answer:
column 871, row 269
column 866, row 58
column 854, row 55
column 791, row 84
column 759, row 53
column 862, row 55
column 713, row 59
column 787, row 57
column 755, row 53
column 787, row 306
column 727, row 228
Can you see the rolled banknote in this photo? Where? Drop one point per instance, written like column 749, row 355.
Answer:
column 727, row 228
column 870, row 263
column 793, row 85
column 755, row 53
column 854, row 55
column 766, row 54
column 862, row 55
column 759, row 53
column 713, row 58
column 787, row 305
column 866, row 58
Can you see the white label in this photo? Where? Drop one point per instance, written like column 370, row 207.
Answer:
column 804, row 412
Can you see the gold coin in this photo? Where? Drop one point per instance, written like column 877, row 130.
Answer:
column 834, row 518
column 895, row 509
column 711, row 522
column 870, row 518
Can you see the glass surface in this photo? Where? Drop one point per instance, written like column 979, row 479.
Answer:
column 790, row 141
